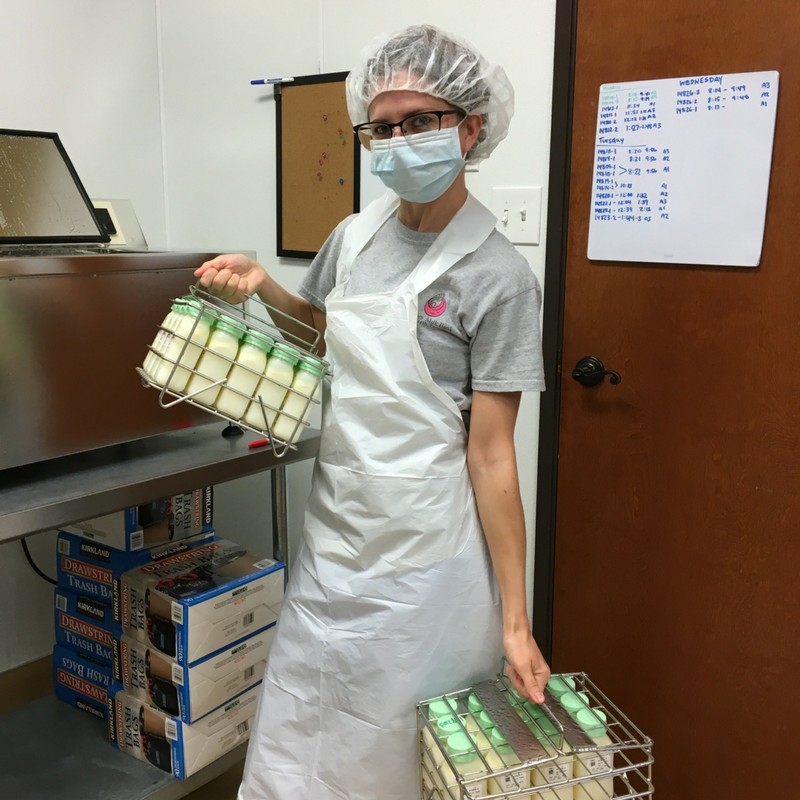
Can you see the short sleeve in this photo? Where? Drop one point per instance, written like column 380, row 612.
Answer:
column 321, row 276
column 506, row 351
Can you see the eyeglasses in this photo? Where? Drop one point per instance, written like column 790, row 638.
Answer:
column 421, row 122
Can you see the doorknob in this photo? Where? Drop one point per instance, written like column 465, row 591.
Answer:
column 589, row 371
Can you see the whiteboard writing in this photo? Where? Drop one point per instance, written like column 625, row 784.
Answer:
column 681, row 169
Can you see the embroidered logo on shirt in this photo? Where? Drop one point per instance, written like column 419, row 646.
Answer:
column 435, row 306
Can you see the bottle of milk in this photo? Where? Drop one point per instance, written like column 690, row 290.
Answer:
column 152, row 359
column 243, row 377
column 307, row 383
column 215, row 363
column 558, row 770
column 190, row 327
column 500, row 756
column 466, row 760
column 597, row 764
column 273, row 388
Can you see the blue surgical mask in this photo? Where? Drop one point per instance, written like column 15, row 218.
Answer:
column 420, row 167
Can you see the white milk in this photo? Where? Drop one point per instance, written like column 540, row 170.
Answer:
column 556, row 771
column 307, row 383
column 215, row 363
column 184, row 327
column 464, row 756
column 272, row 388
column 597, row 764
column 500, row 756
column 151, row 360
column 243, row 377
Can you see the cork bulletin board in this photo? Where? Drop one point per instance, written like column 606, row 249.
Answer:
column 318, row 162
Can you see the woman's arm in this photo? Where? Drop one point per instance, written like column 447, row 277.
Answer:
column 492, row 463
column 230, row 277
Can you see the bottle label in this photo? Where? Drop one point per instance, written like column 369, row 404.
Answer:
column 515, row 781
column 598, row 763
column 475, row 790
column 554, row 773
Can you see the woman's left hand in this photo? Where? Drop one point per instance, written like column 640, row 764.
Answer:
column 527, row 670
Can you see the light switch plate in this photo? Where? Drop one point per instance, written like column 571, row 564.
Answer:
column 519, row 212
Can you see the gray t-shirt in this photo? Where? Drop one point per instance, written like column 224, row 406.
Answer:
column 477, row 325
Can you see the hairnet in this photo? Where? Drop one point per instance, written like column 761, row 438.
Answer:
column 424, row 58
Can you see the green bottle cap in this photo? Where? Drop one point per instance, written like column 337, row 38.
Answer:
column 498, row 740
column 592, row 721
column 460, row 747
column 258, row 342
column 486, row 721
column 547, row 726
column 280, row 350
column 224, row 326
column 559, row 686
column 474, row 705
column 260, row 335
column 447, row 726
column 442, row 708
column 308, row 366
column 573, row 702
column 534, row 709
column 193, row 307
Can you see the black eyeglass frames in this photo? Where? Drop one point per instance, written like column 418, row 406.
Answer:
column 421, row 122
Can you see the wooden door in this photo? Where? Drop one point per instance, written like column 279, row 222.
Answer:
column 677, row 548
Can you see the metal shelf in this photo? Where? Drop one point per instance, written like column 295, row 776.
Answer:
column 49, row 749
column 39, row 497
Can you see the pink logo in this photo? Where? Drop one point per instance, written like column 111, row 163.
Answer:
column 435, row 306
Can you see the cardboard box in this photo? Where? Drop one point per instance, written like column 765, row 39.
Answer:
column 198, row 602
column 93, row 570
column 84, row 624
column 171, row 745
column 194, row 691
column 159, row 522
column 81, row 681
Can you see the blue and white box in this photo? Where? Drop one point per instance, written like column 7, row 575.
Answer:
column 151, row 524
column 191, row 692
column 146, row 733
column 198, row 602
column 93, row 570
column 81, row 681
column 85, row 625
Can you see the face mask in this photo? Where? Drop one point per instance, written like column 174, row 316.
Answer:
column 420, row 167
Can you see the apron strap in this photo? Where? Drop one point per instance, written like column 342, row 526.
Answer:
column 361, row 230
column 466, row 232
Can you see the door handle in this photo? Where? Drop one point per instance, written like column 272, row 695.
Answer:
column 589, row 371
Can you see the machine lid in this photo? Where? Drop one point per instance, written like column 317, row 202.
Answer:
column 42, row 199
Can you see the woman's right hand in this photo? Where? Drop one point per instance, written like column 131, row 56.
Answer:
column 230, row 277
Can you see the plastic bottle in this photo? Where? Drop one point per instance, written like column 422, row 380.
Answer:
column 273, row 388
column 439, row 711
column 560, row 685
column 190, row 323
column 215, row 363
column 464, row 756
column 243, row 377
column 152, row 359
column 555, row 771
column 501, row 756
column 597, row 764
column 307, row 383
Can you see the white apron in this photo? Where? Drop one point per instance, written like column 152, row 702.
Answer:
column 392, row 599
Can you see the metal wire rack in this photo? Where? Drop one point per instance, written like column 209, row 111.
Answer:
column 548, row 755
column 261, row 324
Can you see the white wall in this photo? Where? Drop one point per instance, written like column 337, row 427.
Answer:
column 153, row 102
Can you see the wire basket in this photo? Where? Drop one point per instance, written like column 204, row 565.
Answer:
column 291, row 332
column 545, row 754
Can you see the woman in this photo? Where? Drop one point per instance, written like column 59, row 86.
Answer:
column 430, row 319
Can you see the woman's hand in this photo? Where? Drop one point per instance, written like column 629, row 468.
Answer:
column 527, row 670
column 230, row 277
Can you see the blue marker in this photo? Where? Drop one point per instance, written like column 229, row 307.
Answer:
column 271, row 80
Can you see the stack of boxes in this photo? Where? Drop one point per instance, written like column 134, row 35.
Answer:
column 165, row 633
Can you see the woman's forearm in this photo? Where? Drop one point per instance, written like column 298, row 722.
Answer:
column 496, row 486
column 294, row 307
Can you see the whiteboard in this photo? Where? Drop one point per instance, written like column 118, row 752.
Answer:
column 681, row 169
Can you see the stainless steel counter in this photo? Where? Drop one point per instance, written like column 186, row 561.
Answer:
column 72, row 331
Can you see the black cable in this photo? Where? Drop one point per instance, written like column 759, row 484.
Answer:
column 33, row 566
